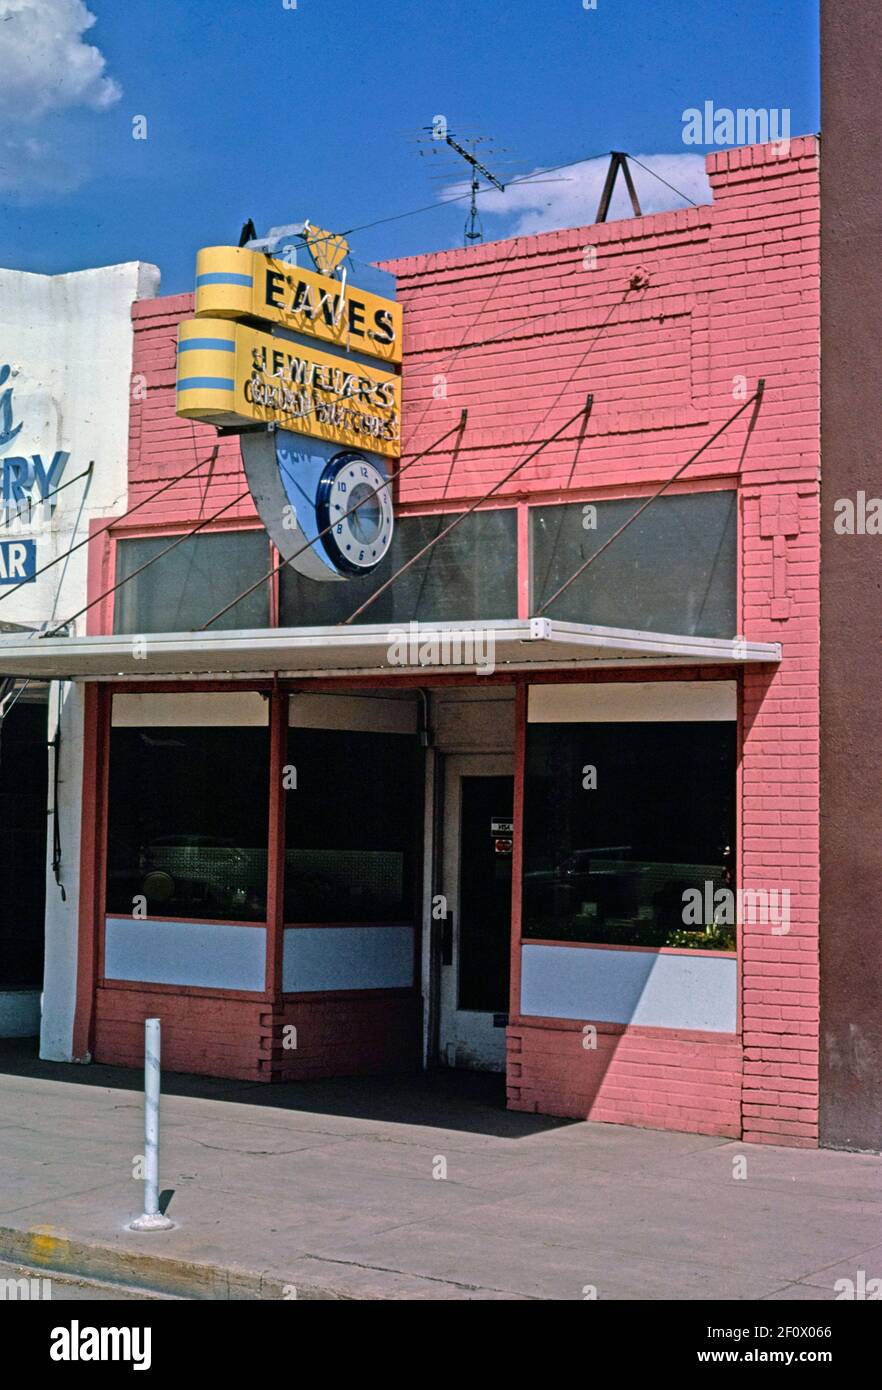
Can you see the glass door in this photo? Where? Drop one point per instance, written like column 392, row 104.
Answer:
column 476, row 955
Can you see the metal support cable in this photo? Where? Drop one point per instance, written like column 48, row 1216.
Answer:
column 55, row 491
column 152, row 561
column 276, row 569
column 458, row 198
column 7, row 704
column 8, row 701
column 449, row 362
column 73, row 534
column 114, row 521
column 211, row 459
column 523, row 179
column 679, row 192
column 584, row 412
column 755, row 398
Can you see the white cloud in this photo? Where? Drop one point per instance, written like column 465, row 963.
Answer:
column 47, row 69
column 544, row 206
column 45, row 64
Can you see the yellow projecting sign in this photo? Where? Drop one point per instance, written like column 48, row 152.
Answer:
column 235, row 283
column 232, row 374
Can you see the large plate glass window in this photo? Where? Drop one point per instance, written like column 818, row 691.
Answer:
column 353, row 819
column 196, row 579
column 187, row 829
column 23, row 781
column 672, row 570
column 621, row 821
column 470, row 575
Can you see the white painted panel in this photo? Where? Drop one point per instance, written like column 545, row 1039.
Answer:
column 376, row 714
column 211, row 954
column 463, row 723
column 324, row 958
column 648, row 988
column 239, row 709
column 19, row 1013
column 62, row 914
column 611, row 702
column 67, row 340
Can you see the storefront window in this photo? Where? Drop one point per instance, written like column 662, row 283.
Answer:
column 353, row 821
column 23, row 784
column 621, row 820
column 187, row 831
column 191, row 583
column 672, row 570
column 470, row 575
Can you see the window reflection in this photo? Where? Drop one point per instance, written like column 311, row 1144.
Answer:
column 623, row 820
column 192, row 582
column 352, row 826
column 470, row 574
column 672, row 570
column 188, row 822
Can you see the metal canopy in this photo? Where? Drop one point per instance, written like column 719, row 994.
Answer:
column 397, row 649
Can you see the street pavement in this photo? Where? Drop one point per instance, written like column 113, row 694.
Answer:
column 413, row 1188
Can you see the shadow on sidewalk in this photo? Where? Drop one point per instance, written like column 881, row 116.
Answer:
column 441, row 1099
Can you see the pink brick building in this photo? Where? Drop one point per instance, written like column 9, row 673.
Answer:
column 658, row 736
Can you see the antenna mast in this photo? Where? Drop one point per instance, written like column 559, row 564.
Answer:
column 465, row 149
column 474, row 230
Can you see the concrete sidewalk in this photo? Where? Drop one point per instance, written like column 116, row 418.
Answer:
column 327, row 1190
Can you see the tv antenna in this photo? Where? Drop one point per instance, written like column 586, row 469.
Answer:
column 441, row 136
column 440, row 141
column 474, row 229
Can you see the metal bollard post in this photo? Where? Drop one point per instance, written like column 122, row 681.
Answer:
column 152, row 1220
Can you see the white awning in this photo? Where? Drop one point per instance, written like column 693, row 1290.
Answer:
column 397, row 649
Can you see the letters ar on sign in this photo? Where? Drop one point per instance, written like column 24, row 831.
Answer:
column 18, row 562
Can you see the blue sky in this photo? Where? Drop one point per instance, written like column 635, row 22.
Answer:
column 257, row 110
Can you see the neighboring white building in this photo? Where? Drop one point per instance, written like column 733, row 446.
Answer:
column 65, row 391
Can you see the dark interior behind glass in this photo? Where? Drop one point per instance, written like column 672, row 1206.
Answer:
column 611, row 863
column 188, row 822
column 23, row 786
column 353, row 826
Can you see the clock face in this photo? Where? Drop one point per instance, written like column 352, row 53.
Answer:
column 354, row 501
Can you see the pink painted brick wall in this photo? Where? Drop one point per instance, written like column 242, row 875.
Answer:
column 519, row 332
column 637, row 1076
column 667, row 319
column 163, row 446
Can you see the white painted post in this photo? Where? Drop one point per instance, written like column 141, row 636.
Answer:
column 152, row 1220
